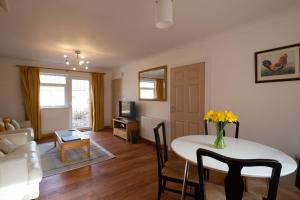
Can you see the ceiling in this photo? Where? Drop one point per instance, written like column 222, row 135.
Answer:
column 115, row 32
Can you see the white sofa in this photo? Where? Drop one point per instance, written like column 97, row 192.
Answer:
column 25, row 127
column 20, row 170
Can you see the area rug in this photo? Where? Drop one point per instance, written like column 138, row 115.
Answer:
column 74, row 158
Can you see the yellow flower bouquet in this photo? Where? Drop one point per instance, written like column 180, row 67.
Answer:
column 220, row 119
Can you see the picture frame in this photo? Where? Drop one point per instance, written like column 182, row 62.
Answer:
column 278, row 64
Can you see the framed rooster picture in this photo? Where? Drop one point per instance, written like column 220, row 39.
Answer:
column 279, row 64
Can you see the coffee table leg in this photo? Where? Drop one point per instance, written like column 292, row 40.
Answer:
column 89, row 150
column 62, row 154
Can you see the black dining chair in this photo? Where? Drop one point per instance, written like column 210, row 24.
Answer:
column 234, row 182
column 237, row 127
column 171, row 170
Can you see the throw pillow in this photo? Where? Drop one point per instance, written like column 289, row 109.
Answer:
column 15, row 124
column 2, row 126
column 2, row 155
column 6, row 120
column 9, row 127
column 7, row 146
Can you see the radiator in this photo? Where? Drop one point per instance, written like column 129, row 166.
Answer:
column 147, row 126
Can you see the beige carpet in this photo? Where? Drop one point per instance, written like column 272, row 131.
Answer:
column 74, row 158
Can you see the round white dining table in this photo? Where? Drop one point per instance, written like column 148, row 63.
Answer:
column 187, row 146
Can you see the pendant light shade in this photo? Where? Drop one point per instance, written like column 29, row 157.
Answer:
column 164, row 13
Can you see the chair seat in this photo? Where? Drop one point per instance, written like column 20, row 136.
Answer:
column 175, row 169
column 285, row 192
column 217, row 192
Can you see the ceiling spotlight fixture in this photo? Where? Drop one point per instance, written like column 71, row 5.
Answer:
column 77, row 61
column 164, row 13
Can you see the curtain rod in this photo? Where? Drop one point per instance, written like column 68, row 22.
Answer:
column 66, row 70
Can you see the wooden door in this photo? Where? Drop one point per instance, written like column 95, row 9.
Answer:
column 116, row 92
column 187, row 100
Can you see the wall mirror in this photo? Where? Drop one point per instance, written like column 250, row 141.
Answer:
column 153, row 84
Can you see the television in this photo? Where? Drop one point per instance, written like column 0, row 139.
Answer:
column 127, row 109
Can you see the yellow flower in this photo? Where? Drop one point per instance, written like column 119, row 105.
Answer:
column 231, row 117
column 208, row 115
column 220, row 116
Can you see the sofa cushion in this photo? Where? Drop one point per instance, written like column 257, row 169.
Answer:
column 15, row 124
column 26, row 148
column 7, row 146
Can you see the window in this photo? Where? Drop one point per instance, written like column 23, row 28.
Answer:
column 52, row 90
column 81, row 110
column 147, row 89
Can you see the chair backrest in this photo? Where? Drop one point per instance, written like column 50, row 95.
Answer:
column 161, row 149
column 237, row 127
column 233, row 183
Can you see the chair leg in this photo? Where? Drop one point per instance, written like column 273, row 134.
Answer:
column 245, row 183
column 159, row 189
column 196, row 192
column 164, row 185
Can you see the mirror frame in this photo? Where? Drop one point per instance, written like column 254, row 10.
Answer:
column 165, row 68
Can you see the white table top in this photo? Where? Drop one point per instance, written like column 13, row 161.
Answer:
column 187, row 146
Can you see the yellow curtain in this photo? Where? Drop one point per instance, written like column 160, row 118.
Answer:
column 97, row 101
column 159, row 89
column 30, row 84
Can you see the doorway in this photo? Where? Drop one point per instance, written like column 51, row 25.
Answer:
column 81, row 106
column 116, row 96
column 187, row 100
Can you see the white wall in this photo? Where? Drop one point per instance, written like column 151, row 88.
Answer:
column 269, row 112
column 11, row 100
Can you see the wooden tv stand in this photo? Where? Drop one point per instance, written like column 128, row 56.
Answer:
column 124, row 128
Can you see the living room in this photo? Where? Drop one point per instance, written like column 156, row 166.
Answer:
column 109, row 72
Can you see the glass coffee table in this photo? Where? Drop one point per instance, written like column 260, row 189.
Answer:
column 71, row 139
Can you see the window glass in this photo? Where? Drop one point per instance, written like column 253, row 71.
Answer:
column 147, row 93
column 52, row 96
column 52, row 79
column 147, row 84
column 81, row 104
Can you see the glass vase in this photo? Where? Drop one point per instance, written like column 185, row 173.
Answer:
column 219, row 142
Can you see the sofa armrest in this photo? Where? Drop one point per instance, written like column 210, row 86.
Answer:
column 13, row 170
column 28, row 131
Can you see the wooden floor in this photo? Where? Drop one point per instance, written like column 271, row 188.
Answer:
column 132, row 175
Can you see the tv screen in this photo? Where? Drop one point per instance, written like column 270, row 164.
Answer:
column 127, row 109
